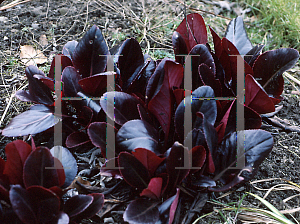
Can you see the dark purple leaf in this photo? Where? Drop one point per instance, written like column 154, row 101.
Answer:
column 137, row 134
column 141, row 211
column 236, row 180
column 22, row 205
column 38, row 119
column 269, row 66
column 177, row 169
column 77, row 204
column 86, row 101
column 69, row 48
column 148, row 158
column 165, row 208
column 199, row 104
column 179, row 47
column 97, row 134
column 198, row 157
column 252, row 55
column 77, row 138
column 70, row 78
column 203, row 182
column 46, row 203
column 69, row 163
column 208, row 79
column 46, row 80
column 237, row 34
column 256, row 97
column 38, row 91
column 90, row 54
column 65, row 62
column 94, row 208
column 193, row 30
column 125, row 107
column 133, row 171
column 257, row 146
column 130, row 61
column 200, row 54
column 36, row 173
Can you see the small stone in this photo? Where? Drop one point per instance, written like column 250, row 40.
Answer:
column 35, row 26
column 5, row 38
column 63, row 11
column 37, row 11
column 109, row 220
column 3, row 19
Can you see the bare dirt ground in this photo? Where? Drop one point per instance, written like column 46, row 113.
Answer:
column 48, row 24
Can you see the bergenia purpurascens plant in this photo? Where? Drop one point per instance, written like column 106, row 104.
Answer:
column 35, row 193
column 149, row 110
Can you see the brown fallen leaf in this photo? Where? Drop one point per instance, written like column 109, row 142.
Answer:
column 30, row 56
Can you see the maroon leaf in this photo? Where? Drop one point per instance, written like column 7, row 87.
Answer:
column 154, row 188
column 133, row 171
column 77, row 138
column 256, row 98
column 217, row 43
column 39, row 118
column 46, row 80
column 270, row 65
column 22, row 205
column 174, row 73
column 141, row 211
column 92, row 209
column 16, row 154
column 77, row 204
column 137, row 134
column 46, row 203
column 237, row 34
column 94, row 85
column 193, row 30
column 175, row 166
column 160, row 102
column 148, row 158
column 69, row 48
column 89, row 56
column 179, row 47
column 174, row 206
column 130, row 61
column 36, row 173
column 125, row 107
column 65, row 61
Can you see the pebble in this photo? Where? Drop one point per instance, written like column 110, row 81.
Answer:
column 63, row 11
column 109, row 220
column 3, row 19
column 37, row 11
column 35, row 26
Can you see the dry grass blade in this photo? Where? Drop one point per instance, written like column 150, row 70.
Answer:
column 13, row 4
column 253, row 217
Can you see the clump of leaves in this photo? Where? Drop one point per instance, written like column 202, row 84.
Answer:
column 33, row 182
column 149, row 110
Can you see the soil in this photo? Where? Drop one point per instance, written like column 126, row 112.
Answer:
column 65, row 20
